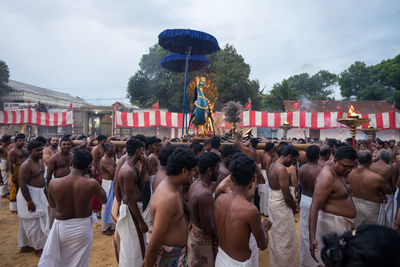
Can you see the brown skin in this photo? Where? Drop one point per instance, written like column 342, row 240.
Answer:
column 107, row 164
column 302, row 157
column 49, row 151
column 307, row 175
column 280, row 179
column 16, row 155
column 97, row 154
column 31, row 173
column 117, row 191
column 159, row 177
column 60, row 163
column 72, row 195
column 201, row 201
column 331, row 195
column 368, row 185
column 267, row 159
column 167, row 216
column 130, row 182
column 223, row 168
column 224, row 186
column 236, row 218
column 387, row 172
column 153, row 163
column 4, row 149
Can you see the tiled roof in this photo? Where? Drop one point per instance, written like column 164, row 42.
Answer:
column 362, row 107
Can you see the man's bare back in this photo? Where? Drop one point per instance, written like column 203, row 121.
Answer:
column 386, row 171
column 307, row 175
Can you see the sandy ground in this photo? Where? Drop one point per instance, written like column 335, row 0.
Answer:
column 102, row 250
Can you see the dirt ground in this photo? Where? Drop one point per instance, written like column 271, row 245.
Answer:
column 102, row 250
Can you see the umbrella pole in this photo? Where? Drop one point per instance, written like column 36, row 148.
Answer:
column 184, row 117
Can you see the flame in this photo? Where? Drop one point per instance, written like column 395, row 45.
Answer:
column 352, row 112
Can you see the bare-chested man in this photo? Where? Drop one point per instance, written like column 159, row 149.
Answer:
column 389, row 174
column 324, row 155
column 15, row 157
column 379, row 146
column 263, row 189
column 226, row 154
column 70, row 238
column 307, row 175
column 31, row 202
column 130, row 225
column 98, row 152
column 282, row 208
column 59, row 166
column 167, row 216
column 107, row 170
column 4, row 176
column 202, row 238
column 332, row 199
column 368, row 188
column 216, row 145
column 237, row 218
column 49, row 151
column 161, row 174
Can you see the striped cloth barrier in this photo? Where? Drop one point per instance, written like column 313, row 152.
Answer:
column 36, row 118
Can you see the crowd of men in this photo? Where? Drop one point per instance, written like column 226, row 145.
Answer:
column 197, row 204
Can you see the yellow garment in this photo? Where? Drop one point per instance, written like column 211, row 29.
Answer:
column 14, row 187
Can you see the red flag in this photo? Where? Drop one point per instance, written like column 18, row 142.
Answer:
column 338, row 106
column 155, row 106
column 247, row 106
column 70, row 106
column 115, row 106
column 296, row 106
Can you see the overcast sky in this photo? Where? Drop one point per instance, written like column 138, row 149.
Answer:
column 91, row 48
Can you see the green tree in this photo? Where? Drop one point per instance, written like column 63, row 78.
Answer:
column 280, row 92
column 4, row 76
column 228, row 71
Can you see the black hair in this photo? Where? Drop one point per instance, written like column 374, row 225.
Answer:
column 332, row 142
column 41, row 139
column 207, row 141
column 208, row 160
column 290, row 150
column 254, row 142
column 34, row 144
column 81, row 159
column 20, row 136
column 5, row 138
column 227, row 150
column 281, row 147
column 385, row 155
column 325, row 151
column 364, row 157
column 65, row 138
column 242, row 169
column 157, row 140
column 196, row 147
column 367, row 246
column 179, row 159
column 164, row 154
column 149, row 141
column 349, row 140
column 107, row 145
column 141, row 137
column 312, row 153
column 81, row 137
column 340, row 144
column 269, row 146
column 346, row 152
column 215, row 142
column 101, row 138
column 132, row 145
column 380, row 142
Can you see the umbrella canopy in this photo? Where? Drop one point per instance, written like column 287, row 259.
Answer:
column 182, row 40
column 176, row 63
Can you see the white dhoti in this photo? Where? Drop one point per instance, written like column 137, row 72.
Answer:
column 283, row 235
column 306, row 259
column 33, row 226
column 254, row 251
column 106, row 184
column 69, row 243
column 5, row 188
column 130, row 253
column 263, row 191
column 223, row 259
column 387, row 212
column 147, row 219
column 328, row 224
column 367, row 211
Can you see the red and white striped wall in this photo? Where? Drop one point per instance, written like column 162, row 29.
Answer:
column 36, row 118
column 312, row 120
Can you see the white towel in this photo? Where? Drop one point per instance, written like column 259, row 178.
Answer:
column 263, row 191
column 33, row 226
column 69, row 243
column 223, row 260
column 283, row 235
column 105, row 184
column 130, row 253
column 387, row 211
column 306, row 259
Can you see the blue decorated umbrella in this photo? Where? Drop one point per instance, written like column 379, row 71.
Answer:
column 177, row 63
column 187, row 42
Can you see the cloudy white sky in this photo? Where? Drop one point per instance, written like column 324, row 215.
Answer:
column 90, row 48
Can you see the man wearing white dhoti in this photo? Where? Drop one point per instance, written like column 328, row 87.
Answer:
column 282, row 207
column 70, row 239
column 5, row 178
column 307, row 175
column 131, row 226
column 31, row 202
column 333, row 198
